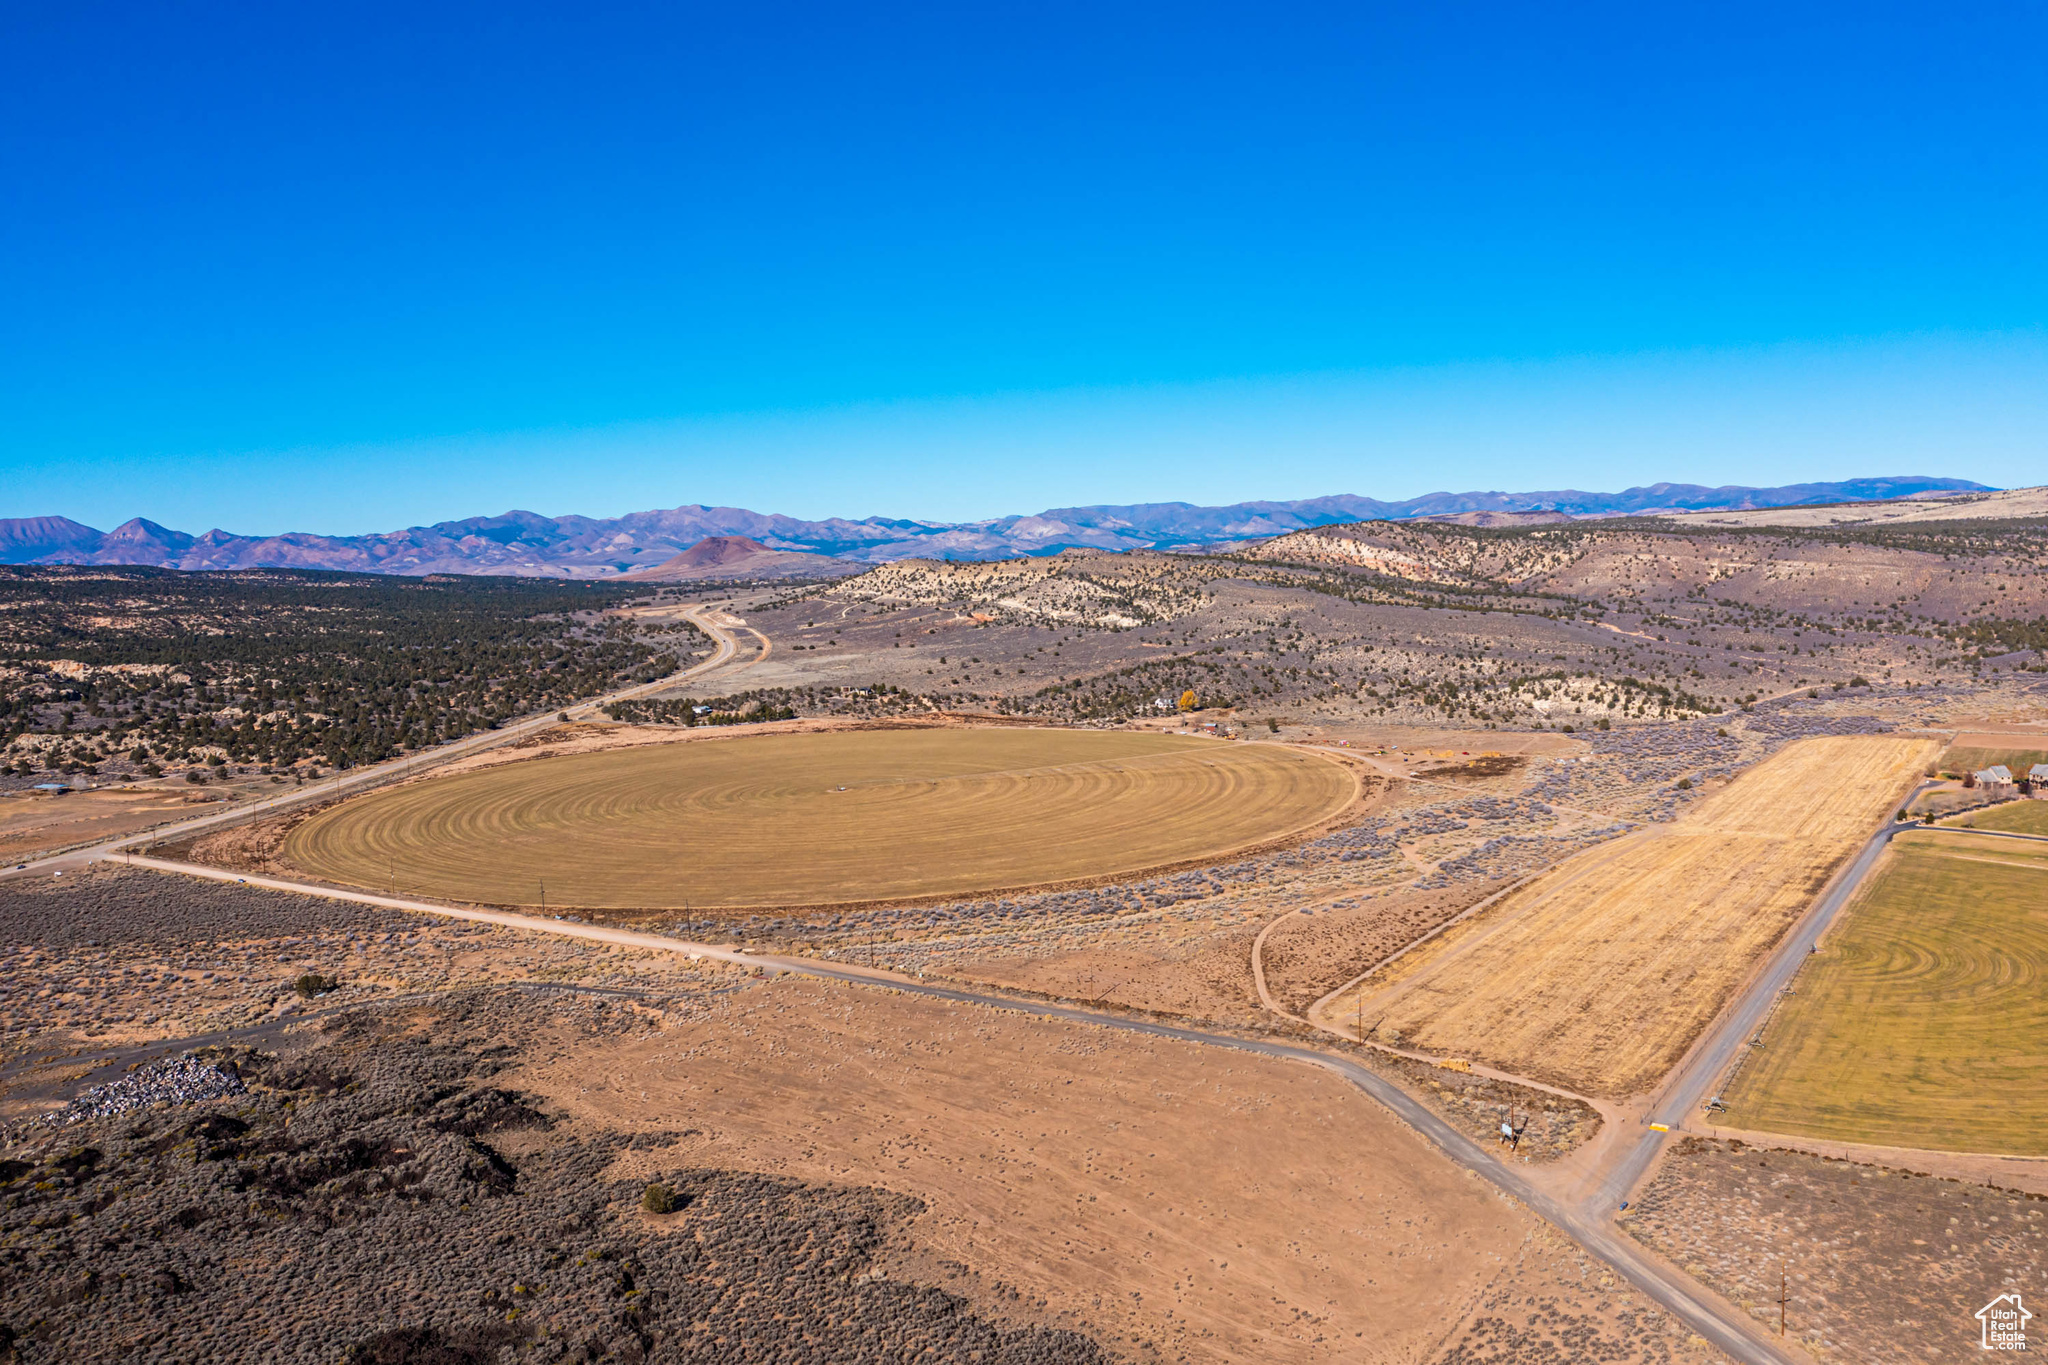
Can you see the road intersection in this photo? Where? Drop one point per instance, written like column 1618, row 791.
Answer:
column 1586, row 1212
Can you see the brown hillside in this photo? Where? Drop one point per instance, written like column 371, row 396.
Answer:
column 1943, row 574
column 717, row 550
column 736, row 557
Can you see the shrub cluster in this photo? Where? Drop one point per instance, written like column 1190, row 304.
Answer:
column 275, row 667
column 359, row 1204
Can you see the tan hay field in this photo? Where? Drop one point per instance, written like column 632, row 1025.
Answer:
column 1599, row 976
column 808, row 819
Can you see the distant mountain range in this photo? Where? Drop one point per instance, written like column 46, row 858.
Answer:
column 591, row 547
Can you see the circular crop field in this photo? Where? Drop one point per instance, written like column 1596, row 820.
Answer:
column 808, row 819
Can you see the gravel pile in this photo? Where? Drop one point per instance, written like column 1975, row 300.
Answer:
column 175, row 1080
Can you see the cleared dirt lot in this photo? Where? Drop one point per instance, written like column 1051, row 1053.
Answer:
column 33, row 824
column 1922, row 1021
column 1188, row 1203
column 1194, row 974
column 1598, row 976
column 1883, row 1266
column 850, row 817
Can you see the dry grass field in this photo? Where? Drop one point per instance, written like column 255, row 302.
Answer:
column 1922, row 1022
column 1600, row 975
column 807, row 819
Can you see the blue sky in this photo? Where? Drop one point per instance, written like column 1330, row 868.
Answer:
column 344, row 269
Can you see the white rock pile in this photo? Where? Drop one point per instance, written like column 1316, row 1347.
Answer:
column 174, row 1080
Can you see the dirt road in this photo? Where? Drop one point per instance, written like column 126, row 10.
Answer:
column 1688, row 1087
column 1588, row 1221
column 1617, row 1163
column 1591, row 1226
column 363, row 779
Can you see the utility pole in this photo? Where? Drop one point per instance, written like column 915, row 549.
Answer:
column 1781, row 1303
column 543, row 895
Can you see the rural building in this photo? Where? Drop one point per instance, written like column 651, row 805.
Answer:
column 1996, row 780
column 2037, row 776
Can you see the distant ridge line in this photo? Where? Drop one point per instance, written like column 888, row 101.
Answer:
column 590, row 547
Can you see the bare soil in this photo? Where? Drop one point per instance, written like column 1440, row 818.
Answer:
column 32, row 824
column 254, row 847
column 1883, row 1266
column 99, row 962
column 380, row 1197
column 1198, row 974
column 1190, row 1204
column 1547, row 1126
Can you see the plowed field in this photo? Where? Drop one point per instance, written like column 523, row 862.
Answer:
column 1599, row 976
column 807, row 819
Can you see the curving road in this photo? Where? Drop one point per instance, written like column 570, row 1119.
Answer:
column 362, row 779
column 1588, row 1224
column 1588, row 1221
column 1620, row 1166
